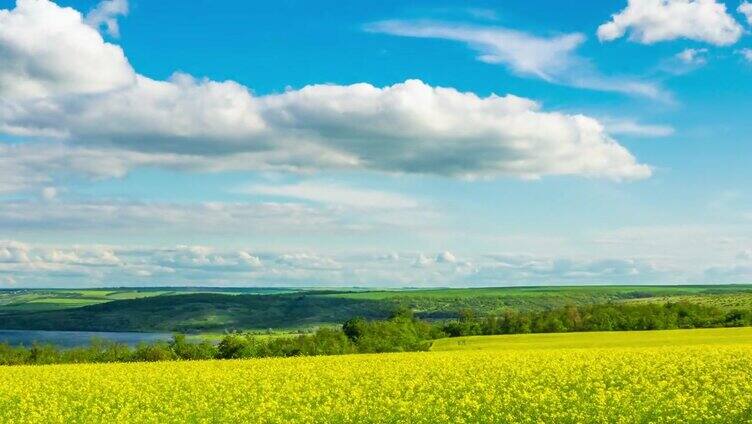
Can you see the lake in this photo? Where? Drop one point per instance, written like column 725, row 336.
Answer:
column 77, row 338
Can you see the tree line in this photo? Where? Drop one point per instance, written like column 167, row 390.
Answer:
column 605, row 317
column 402, row 332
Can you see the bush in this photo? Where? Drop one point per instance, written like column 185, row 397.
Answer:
column 158, row 351
column 192, row 351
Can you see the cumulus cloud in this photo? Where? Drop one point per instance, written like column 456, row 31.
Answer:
column 308, row 261
column 105, row 14
column 552, row 59
column 22, row 256
column 651, row 21
column 685, row 61
column 249, row 259
column 190, row 123
column 409, row 127
column 46, row 50
column 446, row 257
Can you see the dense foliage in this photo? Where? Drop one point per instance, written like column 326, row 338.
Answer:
column 201, row 312
column 402, row 332
column 608, row 317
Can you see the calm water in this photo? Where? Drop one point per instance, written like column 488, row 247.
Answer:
column 76, row 338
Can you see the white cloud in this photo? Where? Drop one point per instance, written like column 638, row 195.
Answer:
column 28, row 264
column 277, row 223
column 50, row 258
column 49, row 193
column 217, row 218
column 446, row 257
column 524, row 268
column 47, row 50
column 746, row 9
column 693, row 56
column 336, row 194
column 308, row 261
column 685, row 61
column 186, row 123
column 552, row 59
column 524, row 53
column 422, row 261
column 408, row 128
column 249, row 259
column 651, row 21
column 106, row 14
column 623, row 126
column 34, row 165
column 95, row 265
column 746, row 54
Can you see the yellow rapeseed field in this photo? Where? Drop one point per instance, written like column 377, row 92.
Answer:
column 648, row 384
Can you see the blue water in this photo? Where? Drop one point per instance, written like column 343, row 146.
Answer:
column 76, row 338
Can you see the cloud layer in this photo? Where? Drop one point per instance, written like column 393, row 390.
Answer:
column 651, row 21
column 35, row 265
column 59, row 79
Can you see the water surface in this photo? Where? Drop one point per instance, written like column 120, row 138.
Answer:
column 76, row 338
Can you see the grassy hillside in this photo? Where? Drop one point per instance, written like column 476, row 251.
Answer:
column 201, row 312
column 217, row 310
column 631, row 383
column 33, row 300
column 438, row 302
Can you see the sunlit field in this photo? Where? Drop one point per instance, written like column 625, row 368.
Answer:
column 611, row 339
column 672, row 376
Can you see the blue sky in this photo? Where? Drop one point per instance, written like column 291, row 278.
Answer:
column 374, row 143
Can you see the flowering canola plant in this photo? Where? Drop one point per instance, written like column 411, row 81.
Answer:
column 612, row 385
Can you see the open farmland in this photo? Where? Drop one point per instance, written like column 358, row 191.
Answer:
column 611, row 339
column 540, row 380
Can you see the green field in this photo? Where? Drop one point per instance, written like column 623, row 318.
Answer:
column 34, row 300
column 494, row 299
column 49, row 300
column 611, row 339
